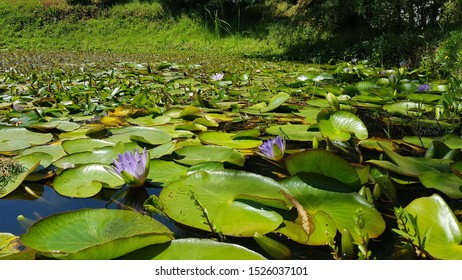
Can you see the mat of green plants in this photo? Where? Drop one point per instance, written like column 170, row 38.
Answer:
column 147, row 130
column 368, row 164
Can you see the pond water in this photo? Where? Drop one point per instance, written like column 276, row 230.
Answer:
column 33, row 208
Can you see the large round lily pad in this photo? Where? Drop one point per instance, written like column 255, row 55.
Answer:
column 340, row 125
column 234, row 202
column 94, row 234
column 438, row 223
column 314, row 192
column 195, row 249
column 191, row 155
column 17, row 138
column 14, row 171
column 86, row 180
column 324, row 163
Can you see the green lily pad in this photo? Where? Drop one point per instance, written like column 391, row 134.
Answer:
column 86, row 180
column 56, row 124
column 319, row 194
column 340, row 125
column 325, row 230
column 274, row 103
column 446, row 182
column 17, row 138
column 94, row 234
column 10, row 248
column 191, row 155
column 149, row 120
column 55, row 150
column 84, row 145
column 411, row 166
column 229, row 140
column 407, row 108
column 102, row 155
column 14, row 176
column 234, row 202
column 436, row 218
column 162, row 171
column 148, row 135
column 294, row 132
column 195, row 249
column 325, row 163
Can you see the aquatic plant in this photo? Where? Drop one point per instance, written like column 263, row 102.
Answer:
column 133, row 167
column 217, row 76
column 273, row 148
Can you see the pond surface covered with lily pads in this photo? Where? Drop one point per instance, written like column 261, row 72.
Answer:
column 105, row 159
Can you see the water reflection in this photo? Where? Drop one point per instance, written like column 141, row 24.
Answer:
column 42, row 201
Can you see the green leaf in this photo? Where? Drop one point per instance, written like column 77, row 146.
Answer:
column 55, row 150
column 102, row 155
column 274, row 103
column 294, row 132
column 195, row 249
column 229, row 140
column 192, row 155
column 325, row 163
column 444, row 232
column 25, row 165
column 94, row 234
column 10, row 248
column 17, row 138
column 234, row 202
column 340, row 125
column 84, row 145
column 162, row 171
column 86, row 180
column 148, row 135
column 317, row 195
column 446, row 182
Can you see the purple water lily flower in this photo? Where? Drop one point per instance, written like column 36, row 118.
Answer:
column 133, row 167
column 217, row 77
column 273, row 148
column 424, row 87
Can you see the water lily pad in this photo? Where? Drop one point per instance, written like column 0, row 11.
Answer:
column 340, row 125
column 101, row 155
column 12, row 178
column 17, row 138
column 11, row 248
column 229, row 140
column 315, row 193
column 162, row 171
column 411, row 166
column 324, row 163
column 294, row 132
column 56, row 124
column 94, row 234
column 149, row 120
column 192, row 155
column 444, row 232
column 234, row 202
column 55, row 150
column 84, row 145
column 446, row 182
column 407, row 108
column 86, row 180
column 195, row 249
column 148, row 135
column 274, row 103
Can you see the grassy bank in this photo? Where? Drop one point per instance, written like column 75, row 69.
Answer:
column 134, row 27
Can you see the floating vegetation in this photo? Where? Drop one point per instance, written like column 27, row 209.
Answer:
column 288, row 157
column 9, row 170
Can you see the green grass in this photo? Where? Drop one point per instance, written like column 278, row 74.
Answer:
column 135, row 27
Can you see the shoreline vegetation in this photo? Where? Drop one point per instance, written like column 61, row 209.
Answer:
column 267, row 29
